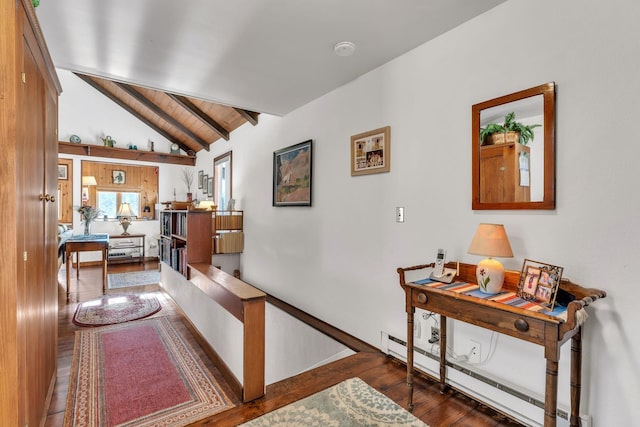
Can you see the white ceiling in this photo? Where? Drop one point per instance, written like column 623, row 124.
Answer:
column 269, row 56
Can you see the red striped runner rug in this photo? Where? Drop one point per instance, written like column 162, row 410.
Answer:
column 139, row 373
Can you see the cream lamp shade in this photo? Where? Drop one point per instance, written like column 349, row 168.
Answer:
column 89, row 180
column 490, row 240
column 125, row 214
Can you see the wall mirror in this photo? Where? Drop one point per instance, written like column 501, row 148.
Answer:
column 514, row 170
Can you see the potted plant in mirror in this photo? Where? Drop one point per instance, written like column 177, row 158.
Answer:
column 508, row 132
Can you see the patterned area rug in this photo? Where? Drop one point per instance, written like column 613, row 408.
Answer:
column 112, row 309
column 135, row 278
column 139, row 374
column 350, row 403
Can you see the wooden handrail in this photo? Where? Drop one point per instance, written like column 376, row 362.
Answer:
column 246, row 304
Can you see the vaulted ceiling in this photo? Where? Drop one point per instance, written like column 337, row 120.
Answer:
column 196, row 70
column 191, row 123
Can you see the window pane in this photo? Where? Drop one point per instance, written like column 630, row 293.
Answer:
column 107, row 203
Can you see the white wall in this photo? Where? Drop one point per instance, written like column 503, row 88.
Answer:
column 337, row 259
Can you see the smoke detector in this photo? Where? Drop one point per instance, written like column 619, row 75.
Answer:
column 344, row 48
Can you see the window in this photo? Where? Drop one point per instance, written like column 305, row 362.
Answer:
column 109, row 202
column 222, row 180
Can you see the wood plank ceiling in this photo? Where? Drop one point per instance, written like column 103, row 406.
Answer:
column 191, row 123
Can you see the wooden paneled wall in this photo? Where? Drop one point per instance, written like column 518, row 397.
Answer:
column 65, row 193
column 137, row 178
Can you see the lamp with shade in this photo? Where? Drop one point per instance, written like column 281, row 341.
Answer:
column 125, row 214
column 87, row 181
column 490, row 240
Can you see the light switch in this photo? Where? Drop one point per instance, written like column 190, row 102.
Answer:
column 399, row 214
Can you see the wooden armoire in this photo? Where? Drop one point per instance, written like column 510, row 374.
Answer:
column 29, row 90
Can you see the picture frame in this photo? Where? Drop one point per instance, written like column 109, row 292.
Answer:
column 539, row 282
column 200, row 176
column 210, row 185
column 292, row 175
column 63, row 172
column 118, row 176
column 205, row 184
column 371, row 152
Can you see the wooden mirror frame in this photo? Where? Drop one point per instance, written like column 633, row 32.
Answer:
column 548, row 92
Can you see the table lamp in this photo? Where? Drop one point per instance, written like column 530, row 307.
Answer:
column 491, row 241
column 125, row 214
column 87, row 181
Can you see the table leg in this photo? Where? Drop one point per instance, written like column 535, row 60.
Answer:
column 576, row 377
column 410, row 316
column 104, row 271
column 77, row 264
column 551, row 393
column 443, row 353
column 68, row 261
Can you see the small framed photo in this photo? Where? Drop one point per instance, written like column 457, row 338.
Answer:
column 539, row 282
column 205, row 184
column 118, row 177
column 200, row 176
column 63, row 172
column 210, row 185
column 370, row 152
column 292, row 168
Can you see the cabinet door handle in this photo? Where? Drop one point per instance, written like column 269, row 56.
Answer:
column 52, row 199
column 45, row 197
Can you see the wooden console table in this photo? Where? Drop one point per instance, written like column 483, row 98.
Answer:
column 87, row 243
column 542, row 329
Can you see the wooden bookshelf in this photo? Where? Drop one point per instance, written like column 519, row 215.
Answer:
column 184, row 238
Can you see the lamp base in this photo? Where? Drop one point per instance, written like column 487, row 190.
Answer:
column 490, row 275
column 125, row 223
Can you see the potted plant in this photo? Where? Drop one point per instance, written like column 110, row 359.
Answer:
column 508, row 132
column 187, row 177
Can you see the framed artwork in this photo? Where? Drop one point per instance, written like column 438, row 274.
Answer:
column 210, row 185
column 200, row 176
column 63, row 172
column 292, row 168
column 205, row 184
column 370, row 152
column 118, row 177
column 539, row 282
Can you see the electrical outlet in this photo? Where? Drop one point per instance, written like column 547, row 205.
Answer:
column 475, row 352
column 435, row 335
column 399, row 214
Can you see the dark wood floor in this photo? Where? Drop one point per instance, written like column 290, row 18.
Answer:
column 381, row 372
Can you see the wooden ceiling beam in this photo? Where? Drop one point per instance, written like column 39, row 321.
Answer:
column 249, row 116
column 162, row 114
column 204, row 117
column 118, row 101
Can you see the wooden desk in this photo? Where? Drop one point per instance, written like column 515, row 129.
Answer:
column 87, row 243
column 542, row 329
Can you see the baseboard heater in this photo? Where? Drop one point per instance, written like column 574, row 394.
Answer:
column 387, row 347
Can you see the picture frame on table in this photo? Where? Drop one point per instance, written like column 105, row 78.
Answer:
column 371, row 152
column 539, row 282
column 292, row 175
column 63, row 172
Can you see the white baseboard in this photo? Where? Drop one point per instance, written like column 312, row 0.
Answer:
column 517, row 402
